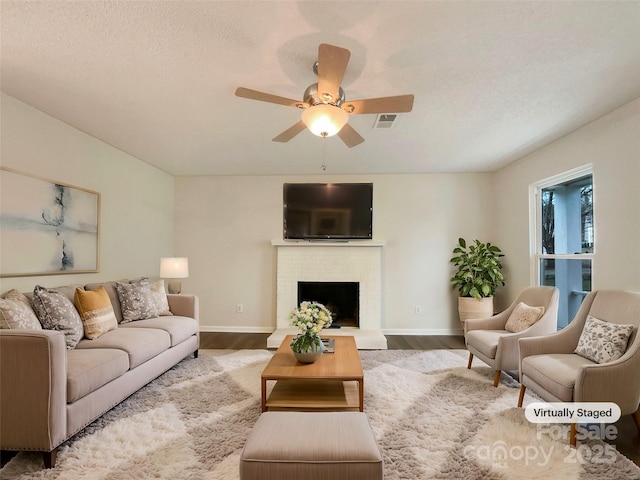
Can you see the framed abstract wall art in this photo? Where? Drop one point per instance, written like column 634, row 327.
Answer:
column 47, row 227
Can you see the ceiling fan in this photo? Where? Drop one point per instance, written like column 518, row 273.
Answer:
column 325, row 110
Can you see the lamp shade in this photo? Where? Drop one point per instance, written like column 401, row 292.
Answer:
column 324, row 120
column 174, row 267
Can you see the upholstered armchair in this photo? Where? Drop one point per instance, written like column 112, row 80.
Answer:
column 550, row 368
column 494, row 340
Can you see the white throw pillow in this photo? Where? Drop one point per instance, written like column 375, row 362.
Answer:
column 603, row 342
column 522, row 317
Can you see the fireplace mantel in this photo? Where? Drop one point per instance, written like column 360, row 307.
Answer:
column 327, row 243
column 357, row 261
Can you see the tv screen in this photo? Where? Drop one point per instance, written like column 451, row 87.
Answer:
column 328, row 211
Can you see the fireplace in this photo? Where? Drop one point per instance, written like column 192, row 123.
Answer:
column 338, row 263
column 342, row 299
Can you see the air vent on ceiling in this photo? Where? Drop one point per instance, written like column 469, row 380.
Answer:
column 385, row 120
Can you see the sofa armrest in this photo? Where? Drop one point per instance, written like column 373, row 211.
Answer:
column 33, row 389
column 184, row 305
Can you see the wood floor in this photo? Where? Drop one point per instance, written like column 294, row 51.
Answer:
column 627, row 441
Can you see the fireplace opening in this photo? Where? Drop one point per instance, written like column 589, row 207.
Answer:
column 342, row 299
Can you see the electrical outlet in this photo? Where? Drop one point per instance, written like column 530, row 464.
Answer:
column 239, row 308
column 417, row 310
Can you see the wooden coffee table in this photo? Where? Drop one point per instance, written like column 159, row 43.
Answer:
column 335, row 382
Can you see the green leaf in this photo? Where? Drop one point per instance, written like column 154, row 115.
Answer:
column 462, row 242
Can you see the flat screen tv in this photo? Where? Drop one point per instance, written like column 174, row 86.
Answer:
column 328, row 211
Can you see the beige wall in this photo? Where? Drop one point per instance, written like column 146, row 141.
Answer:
column 136, row 224
column 225, row 226
column 612, row 145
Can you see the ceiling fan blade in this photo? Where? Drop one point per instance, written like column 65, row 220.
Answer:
column 332, row 63
column 267, row 97
column 397, row 104
column 290, row 132
column 349, row 136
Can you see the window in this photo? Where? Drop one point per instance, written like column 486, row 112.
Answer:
column 563, row 237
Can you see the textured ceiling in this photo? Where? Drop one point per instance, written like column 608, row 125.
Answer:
column 492, row 80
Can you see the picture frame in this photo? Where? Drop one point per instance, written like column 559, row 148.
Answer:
column 47, row 227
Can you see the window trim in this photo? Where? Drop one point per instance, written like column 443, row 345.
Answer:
column 535, row 218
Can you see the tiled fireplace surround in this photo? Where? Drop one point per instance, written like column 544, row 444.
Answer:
column 331, row 262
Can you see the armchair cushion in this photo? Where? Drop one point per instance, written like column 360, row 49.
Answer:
column 556, row 373
column 603, row 342
column 522, row 317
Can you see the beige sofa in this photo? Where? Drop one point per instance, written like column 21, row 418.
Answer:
column 48, row 392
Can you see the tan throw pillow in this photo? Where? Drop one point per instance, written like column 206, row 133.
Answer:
column 160, row 297
column 522, row 317
column 96, row 312
column 16, row 312
column 603, row 342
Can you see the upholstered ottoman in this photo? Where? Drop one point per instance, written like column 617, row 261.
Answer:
column 311, row 445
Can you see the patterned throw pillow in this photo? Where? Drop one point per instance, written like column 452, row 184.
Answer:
column 16, row 312
column 522, row 317
column 95, row 311
column 603, row 342
column 160, row 297
column 136, row 300
column 56, row 312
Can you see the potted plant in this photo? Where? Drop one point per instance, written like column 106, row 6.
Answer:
column 310, row 318
column 478, row 275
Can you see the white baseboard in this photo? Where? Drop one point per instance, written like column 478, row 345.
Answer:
column 235, row 329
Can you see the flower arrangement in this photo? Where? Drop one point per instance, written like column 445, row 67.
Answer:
column 310, row 318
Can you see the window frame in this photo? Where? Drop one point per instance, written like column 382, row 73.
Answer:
column 535, row 223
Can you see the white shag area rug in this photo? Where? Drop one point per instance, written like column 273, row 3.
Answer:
column 433, row 419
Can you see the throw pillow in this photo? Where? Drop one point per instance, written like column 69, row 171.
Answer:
column 603, row 342
column 136, row 301
column 160, row 297
column 522, row 317
column 16, row 312
column 95, row 311
column 56, row 312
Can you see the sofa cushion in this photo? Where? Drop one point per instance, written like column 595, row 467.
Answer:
column 160, row 297
column 110, row 288
column 179, row 328
column 141, row 344
column 522, row 317
column 557, row 373
column 56, row 312
column 136, row 301
column 89, row 369
column 16, row 312
column 603, row 342
column 95, row 311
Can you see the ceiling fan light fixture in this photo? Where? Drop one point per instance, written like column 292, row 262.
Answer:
column 324, row 120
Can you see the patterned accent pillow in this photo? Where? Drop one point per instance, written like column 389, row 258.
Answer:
column 56, row 312
column 95, row 311
column 136, row 301
column 603, row 342
column 160, row 297
column 16, row 312
column 522, row 317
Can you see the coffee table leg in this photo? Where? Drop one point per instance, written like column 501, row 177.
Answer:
column 264, row 395
column 361, row 393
